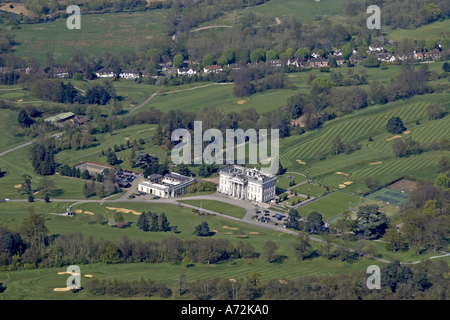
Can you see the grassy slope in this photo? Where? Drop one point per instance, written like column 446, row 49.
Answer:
column 99, row 33
column 429, row 31
column 217, row 206
column 360, row 125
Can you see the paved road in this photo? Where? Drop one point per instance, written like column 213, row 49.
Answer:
column 15, row 148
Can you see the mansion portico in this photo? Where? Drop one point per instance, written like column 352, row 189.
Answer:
column 247, row 184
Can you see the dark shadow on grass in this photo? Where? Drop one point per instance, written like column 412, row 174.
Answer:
column 279, row 259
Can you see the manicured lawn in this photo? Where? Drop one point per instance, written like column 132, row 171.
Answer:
column 217, row 206
column 8, row 119
column 283, row 181
column 374, row 159
column 295, row 199
column 330, row 206
column 309, row 189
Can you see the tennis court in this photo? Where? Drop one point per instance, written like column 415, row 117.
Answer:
column 389, row 196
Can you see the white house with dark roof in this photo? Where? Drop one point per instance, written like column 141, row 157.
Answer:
column 212, row 68
column 293, row 62
column 105, row 73
column 130, row 74
column 189, row 71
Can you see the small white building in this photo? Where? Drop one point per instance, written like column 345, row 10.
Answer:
column 247, row 184
column 212, row 68
column 167, row 186
column 105, row 73
column 130, row 74
column 293, row 62
column 187, row 71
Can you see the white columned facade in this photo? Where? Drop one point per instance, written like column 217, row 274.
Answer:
column 247, row 184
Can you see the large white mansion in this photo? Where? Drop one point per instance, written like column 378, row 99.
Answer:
column 247, row 184
column 167, row 186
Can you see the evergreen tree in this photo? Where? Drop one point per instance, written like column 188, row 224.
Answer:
column 24, row 119
column 85, row 175
column 153, row 221
column 163, row 223
column 202, row 230
column 142, row 222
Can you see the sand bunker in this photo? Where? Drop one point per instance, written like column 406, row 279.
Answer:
column 254, row 232
column 127, row 138
column 227, row 227
column 406, row 132
column 394, row 137
column 88, row 275
column 62, row 289
column 300, row 161
column 375, row 163
column 72, row 273
column 17, row 186
column 124, row 210
column 342, row 186
column 78, row 211
column 345, row 174
column 241, row 102
column 283, row 281
column 347, row 183
column 88, row 212
column 20, row 100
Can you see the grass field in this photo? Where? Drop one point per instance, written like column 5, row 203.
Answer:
column 283, row 181
column 130, row 93
column 430, row 31
column 99, row 33
column 374, row 159
column 330, row 206
column 8, row 119
column 310, row 189
column 217, row 206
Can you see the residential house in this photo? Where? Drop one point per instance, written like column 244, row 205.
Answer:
column 375, row 48
column 355, row 59
column 276, row 63
column 190, row 71
column 340, row 60
column 385, row 57
column 418, row 56
column 212, row 68
column 433, row 54
column 234, row 66
column 60, row 73
column 337, row 53
column 293, row 62
column 105, row 73
column 318, row 62
column 130, row 74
